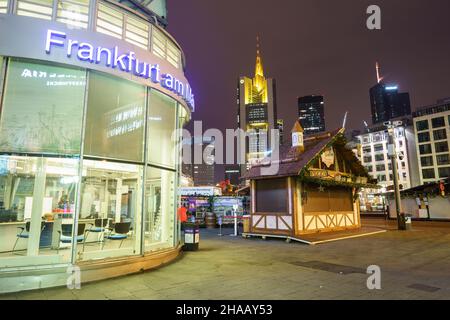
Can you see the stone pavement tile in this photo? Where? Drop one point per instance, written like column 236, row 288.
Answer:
column 32, row 295
column 243, row 269
column 64, row 294
column 117, row 294
column 125, row 298
column 134, row 287
column 149, row 294
column 90, row 294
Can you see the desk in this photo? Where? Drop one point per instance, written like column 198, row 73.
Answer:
column 9, row 231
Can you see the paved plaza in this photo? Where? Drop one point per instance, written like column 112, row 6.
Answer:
column 414, row 265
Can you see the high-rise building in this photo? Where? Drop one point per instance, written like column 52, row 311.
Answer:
column 432, row 133
column 232, row 173
column 386, row 102
column 280, row 127
column 202, row 173
column 311, row 113
column 257, row 112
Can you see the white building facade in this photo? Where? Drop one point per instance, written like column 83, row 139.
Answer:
column 431, row 129
column 373, row 154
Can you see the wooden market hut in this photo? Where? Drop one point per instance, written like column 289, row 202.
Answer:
column 315, row 188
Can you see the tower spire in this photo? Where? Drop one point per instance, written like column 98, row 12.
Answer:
column 259, row 72
column 379, row 78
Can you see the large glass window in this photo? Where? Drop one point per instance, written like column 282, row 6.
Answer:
column 136, row 32
column 159, row 214
column 442, row 159
column 367, row 159
column 42, row 108
column 41, row 9
column 441, row 146
column 158, row 43
column 73, row 12
column 425, row 148
column 109, row 21
column 426, row 161
column 378, row 147
column 438, row 122
column 3, row 8
column 428, row 173
column 111, row 202
column 115, row 118
column 173, row 55
column 440, row 134
column 422, row 125
column 161, row 147
column 163, row 48
column 37, row 206
column 423, row 137
column 444, row 172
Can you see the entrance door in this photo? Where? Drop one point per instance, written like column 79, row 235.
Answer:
column 152, row 216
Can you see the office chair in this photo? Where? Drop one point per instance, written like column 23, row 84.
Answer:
column 25, row 232
column 99, row 226
column 65, row 234
column 121, row 230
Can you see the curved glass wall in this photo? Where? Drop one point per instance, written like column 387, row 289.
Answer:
column 42, row 108
column 89, row 166
column 115, row 120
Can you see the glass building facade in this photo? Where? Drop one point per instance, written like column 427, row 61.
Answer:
column 387, row 103
column 311, row 114
column 89, row 160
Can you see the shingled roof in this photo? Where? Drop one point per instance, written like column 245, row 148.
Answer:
column 292, row 162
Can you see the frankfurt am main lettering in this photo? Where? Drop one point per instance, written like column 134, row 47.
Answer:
column 113, row 58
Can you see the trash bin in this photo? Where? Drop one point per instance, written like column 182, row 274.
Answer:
column 404, row 222
column 408, row 221
column 191, row 236
column 246, row 223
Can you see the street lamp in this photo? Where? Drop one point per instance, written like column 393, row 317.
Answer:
column 392, row 154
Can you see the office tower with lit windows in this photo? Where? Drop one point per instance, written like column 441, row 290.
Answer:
column 202, row 173
column 386, row 102
column 311, row 113
column 257, row 112
column 232, row 173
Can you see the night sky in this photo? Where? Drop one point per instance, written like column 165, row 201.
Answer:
column 312, row 47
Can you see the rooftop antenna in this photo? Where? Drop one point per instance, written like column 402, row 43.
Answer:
column 379, row 78
column 366, row 125
column 345, row 120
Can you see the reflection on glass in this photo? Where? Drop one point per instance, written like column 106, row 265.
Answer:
column 115, row 118
column 42, row 108
column 37, row 198
column 161, row 125
column 159, row 211
column 111, row 201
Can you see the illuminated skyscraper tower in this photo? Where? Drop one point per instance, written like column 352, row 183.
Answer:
column 257, row 111
column 386, row 102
